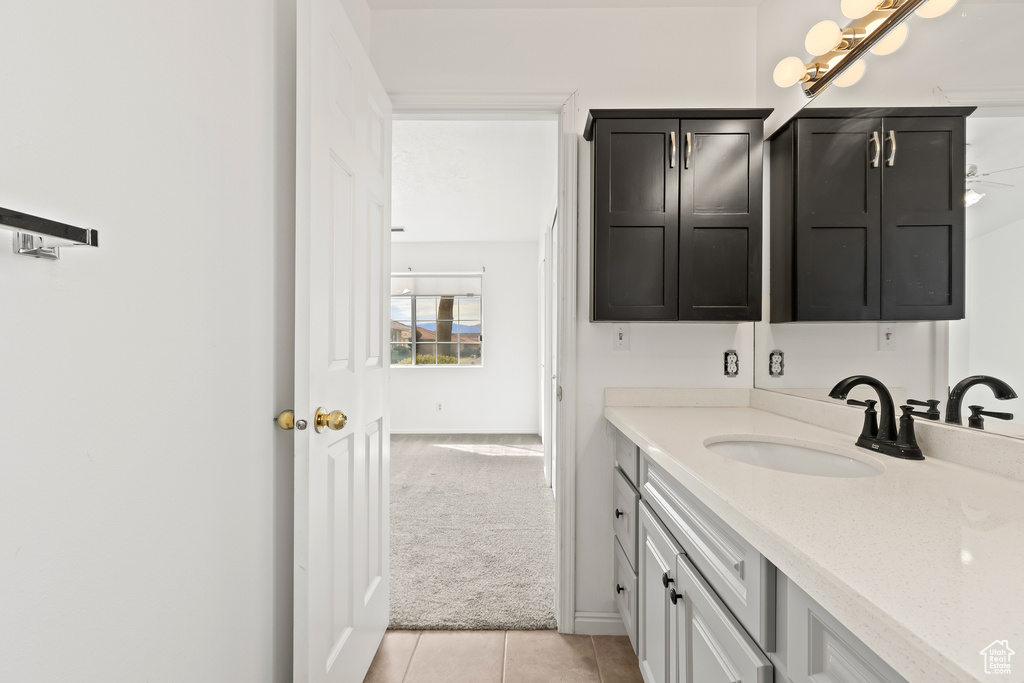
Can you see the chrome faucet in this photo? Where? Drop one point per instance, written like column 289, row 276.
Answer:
column 1000, row 389
column 885, row 439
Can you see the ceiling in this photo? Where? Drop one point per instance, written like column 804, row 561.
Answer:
column 474, row 181
column 553, row 4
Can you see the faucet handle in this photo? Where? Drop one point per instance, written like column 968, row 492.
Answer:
column 870, row 428
column 869, row 404
column 933, row 408
column 977, row 421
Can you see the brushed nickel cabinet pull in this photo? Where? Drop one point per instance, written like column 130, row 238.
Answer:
column 878, row 149
column 891, row 161
column 672, row 150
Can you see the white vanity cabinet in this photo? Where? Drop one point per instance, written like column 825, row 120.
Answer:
column 702, row 605
column 625, row 509
column 686, row 633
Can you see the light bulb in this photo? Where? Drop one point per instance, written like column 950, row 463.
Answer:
column 789, row 71
column 823, row 37
column 855, row 9
column 971, row 197
column 851, row 75
column 893, row 41
column 935, row 8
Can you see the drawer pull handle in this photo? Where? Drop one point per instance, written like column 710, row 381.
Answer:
column 665, row 581
column 618, row 513
column 618, row 588
column 673, row 596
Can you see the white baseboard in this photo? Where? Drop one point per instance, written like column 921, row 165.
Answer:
column 532, row 432
column 599, row 624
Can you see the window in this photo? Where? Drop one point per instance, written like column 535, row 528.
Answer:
column 436, row 319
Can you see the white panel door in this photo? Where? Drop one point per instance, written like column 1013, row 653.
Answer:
column 343, row 200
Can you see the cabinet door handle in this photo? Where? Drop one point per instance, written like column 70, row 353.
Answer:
column 618, row 588
column 673, row 596
column 891, row 161
column 672, row 149
column 665, row 581
column 689, row 150
column 878, row 149
column 618, row 513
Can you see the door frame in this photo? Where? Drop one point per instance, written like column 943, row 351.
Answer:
column 447, row 104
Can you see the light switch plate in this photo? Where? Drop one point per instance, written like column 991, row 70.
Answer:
column 886, row 337
column 620, row 340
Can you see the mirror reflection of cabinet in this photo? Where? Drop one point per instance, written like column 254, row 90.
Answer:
column 677, row 214
column 867, row 215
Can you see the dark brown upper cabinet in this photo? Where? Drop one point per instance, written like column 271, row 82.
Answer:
column 867, row 215
column 677, row 214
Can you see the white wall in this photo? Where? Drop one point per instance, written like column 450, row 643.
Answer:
column 145, row 499
column 614, row 58
column 502, row 395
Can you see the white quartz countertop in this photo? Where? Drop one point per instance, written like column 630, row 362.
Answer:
column 922, row 562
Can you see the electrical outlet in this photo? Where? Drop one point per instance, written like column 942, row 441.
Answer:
column 732, row 363
column 886, row 337
column 776, row 364
column 620, row 340
column 439, row 407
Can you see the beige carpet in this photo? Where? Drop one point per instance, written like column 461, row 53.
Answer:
column 472, row 533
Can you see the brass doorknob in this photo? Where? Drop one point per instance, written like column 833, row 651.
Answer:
column 333, row 420
column 286, row 420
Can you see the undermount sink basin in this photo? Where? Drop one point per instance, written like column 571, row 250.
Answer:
column 787, row 457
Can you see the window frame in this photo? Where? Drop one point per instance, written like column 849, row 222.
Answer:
column 412, row 297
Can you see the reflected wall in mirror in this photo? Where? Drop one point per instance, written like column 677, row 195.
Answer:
column 956, row 59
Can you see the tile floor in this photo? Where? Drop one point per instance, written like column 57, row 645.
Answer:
column 502, row 657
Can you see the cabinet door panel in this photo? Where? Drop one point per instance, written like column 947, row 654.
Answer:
column 636, row 274
column 625, row 500
column 821, row 650
column 636, row 220
column 922, row 228
column 658, row 552
column 720, row 220
column 720, row 258
column 837, row 266
column 711, row 646
column 838, row 195
column 625, row 593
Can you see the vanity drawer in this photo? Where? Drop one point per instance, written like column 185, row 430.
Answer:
column 739, row 574
column 625, row 500
column 820, row 649
column 625, row 593
column 627, row 456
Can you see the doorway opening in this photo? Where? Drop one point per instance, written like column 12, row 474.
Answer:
column 473, row 532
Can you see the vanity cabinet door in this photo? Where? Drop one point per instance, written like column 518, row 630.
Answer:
column 923, row 218
column 636, row 219
column 655, row 574
column 710, row 645
column 838, row 194
column 720, row 220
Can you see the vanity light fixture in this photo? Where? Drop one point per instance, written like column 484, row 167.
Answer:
column 876, row 26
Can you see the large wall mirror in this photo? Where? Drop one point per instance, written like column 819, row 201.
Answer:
column 963, row 58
